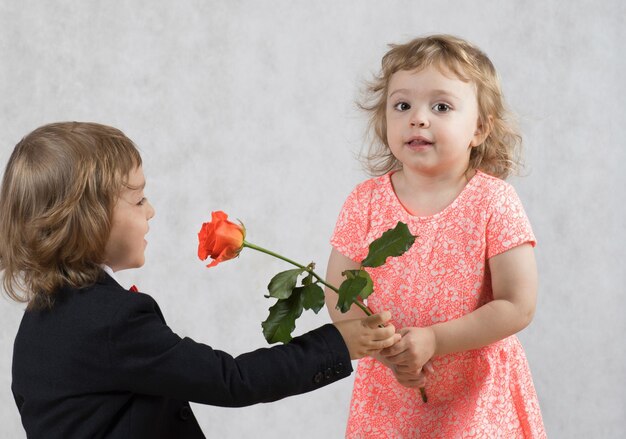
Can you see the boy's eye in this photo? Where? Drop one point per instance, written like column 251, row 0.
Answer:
column 402, row 106
column 142, row 201
column 442, row 108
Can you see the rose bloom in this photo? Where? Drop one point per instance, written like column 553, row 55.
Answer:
column 221, row 239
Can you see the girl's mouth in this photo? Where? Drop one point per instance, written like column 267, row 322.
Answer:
column 418, row 143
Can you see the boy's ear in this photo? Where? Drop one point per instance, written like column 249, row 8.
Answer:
column 482, row 131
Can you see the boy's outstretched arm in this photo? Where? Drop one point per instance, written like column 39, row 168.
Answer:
column 368, row 335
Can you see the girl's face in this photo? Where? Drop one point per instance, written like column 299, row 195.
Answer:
column 126, row 245
column 432, row 121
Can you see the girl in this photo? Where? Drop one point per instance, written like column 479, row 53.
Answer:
column 469, row 282
column 93, row 360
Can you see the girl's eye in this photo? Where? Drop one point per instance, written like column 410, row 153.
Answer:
column 442, row 108
column 142, row 201
column 402, row 106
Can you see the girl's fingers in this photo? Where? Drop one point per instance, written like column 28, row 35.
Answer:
column 410, row 379
column 409, row 369
column 382, row 344
column 428, row 367
column 399, row 360
column 411, row 382
column 394, row 350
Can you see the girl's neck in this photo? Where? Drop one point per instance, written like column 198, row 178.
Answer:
column 426, row 195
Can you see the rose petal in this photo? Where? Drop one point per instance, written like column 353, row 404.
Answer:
column 221, row 239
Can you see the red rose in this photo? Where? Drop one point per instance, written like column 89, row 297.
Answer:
column 220, row 239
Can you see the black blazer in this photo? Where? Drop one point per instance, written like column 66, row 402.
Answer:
column 103, row 364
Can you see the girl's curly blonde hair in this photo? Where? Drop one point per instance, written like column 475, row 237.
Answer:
column 499, row 155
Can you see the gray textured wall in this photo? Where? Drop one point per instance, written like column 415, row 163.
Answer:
column 247, row 106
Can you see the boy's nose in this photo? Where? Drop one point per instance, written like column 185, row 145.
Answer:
column 151, row 211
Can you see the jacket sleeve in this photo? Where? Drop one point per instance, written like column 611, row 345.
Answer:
column 147, row 357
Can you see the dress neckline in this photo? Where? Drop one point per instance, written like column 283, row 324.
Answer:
column 445, row 211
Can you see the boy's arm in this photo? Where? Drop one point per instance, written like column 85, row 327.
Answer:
column 514, row 285
column 146, row 357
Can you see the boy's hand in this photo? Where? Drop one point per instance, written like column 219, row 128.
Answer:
column 366, row 336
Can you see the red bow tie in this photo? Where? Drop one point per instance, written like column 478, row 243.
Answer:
column 133, row 289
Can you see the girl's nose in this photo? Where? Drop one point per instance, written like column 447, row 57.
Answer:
column 419, row 119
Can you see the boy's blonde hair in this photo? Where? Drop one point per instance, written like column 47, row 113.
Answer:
column 56, row 204
column 498, row 155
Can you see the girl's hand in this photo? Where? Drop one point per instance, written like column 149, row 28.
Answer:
column 365, row 336
column 411, row 353
column 412, row 380
column 407, row 379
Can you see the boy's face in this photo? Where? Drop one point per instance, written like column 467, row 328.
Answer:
column 126, row 245
column 432, row 121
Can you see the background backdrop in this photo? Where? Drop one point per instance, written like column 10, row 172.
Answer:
column 248, row 107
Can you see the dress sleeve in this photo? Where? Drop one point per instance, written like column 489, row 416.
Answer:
column 146, row 357
column 508, row 226
column 350, row 229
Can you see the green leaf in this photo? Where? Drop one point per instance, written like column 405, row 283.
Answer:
column 313, row 297
column 393, row 242
column 358, row 283
column 350, row 274
column 308, row 280
column 283, row 283
column 369, row 286
column 282, row 318
column 349, row 290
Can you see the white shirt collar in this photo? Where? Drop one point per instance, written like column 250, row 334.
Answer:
column 108, row 270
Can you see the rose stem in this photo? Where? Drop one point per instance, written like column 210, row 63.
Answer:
column 364, row 308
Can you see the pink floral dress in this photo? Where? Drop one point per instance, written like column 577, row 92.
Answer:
column 482, row 393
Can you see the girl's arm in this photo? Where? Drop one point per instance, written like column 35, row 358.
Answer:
column 337, row 263
column 514, row 285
